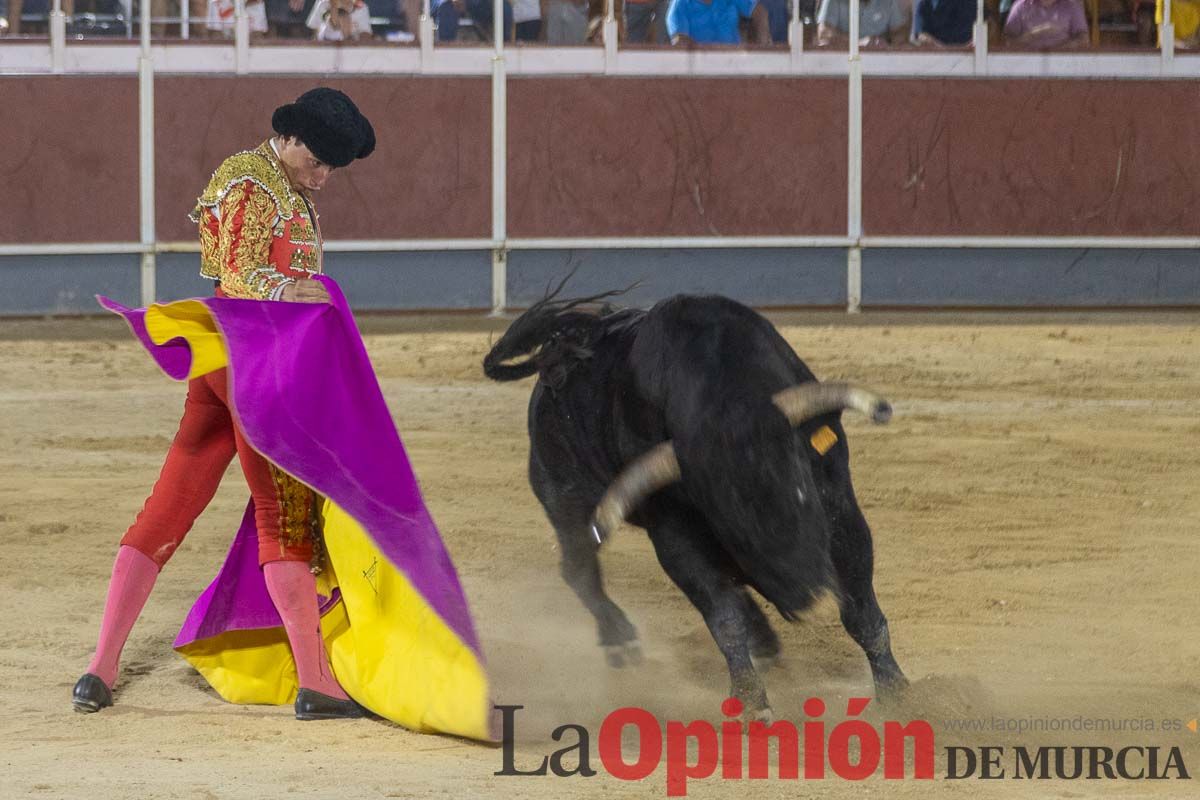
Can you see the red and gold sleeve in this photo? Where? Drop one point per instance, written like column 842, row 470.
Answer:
column 247, row 215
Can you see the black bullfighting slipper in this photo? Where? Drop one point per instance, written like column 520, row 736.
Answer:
column 90, row 694
column 311, row 704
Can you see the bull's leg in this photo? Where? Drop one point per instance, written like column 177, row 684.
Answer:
column 764, row 642
column 580, row 568
column 695, row 565
column 854, row 561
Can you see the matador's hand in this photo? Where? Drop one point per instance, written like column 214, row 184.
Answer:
column 305, row 290
column 296, row 5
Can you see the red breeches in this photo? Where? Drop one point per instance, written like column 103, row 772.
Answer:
column 205, row 444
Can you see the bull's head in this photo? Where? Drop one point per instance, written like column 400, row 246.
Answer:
column 660, row 468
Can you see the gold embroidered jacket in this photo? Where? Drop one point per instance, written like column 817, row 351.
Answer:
column 257, row 233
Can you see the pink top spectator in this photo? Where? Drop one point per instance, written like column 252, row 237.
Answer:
column 1045, row 24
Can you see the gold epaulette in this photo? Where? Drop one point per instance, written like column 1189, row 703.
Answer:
column 250, row 165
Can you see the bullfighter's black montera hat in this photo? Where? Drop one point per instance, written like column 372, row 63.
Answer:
column 329, row 124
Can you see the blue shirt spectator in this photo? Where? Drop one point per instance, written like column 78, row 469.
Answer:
column 713, row 21
column 944, row 22
column 447, row 13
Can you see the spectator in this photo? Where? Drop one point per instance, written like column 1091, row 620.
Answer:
column 1185, row 16
column 943, row 23
column 286, row 19
column 565, row 22
column 13, row 18
column 646, row 21
column 1047, row 24
column 1003, row 9
column 527, row 20
column 412, row 17
column 779, row 15
column 221, row 16
column 880, row 22
column 340, row 20
column 197, row 16
column 17, row 7
column 448, row 12
column 715, row 21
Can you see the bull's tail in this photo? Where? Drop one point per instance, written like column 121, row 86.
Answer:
column 552, row 336
column 741, row 466
column 495, row 368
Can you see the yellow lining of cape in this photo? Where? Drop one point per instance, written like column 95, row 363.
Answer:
column 191, row 320
column 397, row 657
column 389, row 649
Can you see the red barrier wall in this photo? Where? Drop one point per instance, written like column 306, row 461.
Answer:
column 972, row 157
column 676, row 157
column 644, row 157
column 68, row 159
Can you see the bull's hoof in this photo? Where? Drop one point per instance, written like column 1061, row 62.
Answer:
column 891, row 688
column 755, row 705
column 628, row 654
column 764, row 715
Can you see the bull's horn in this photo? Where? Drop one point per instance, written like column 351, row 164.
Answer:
column 800, row 403
column 659, row 468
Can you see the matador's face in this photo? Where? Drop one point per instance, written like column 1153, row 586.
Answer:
column 305, row 170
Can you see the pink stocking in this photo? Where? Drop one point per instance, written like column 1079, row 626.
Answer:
column 293, row 589
column 133, row 577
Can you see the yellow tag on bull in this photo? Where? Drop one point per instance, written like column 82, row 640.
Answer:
column 823, row 439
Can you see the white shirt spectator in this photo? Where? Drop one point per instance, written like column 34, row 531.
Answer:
column 360, row 21
column 221, row 16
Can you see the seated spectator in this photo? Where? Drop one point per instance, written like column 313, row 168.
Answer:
column 340, row 20
column 1047, row 24
column 779, row 15
column 880, row 22
column 527, row 20
column 448, row 12
column 286, row 18
column 221, row 16
column 1003, row 7
column 1185, row 16
column 565, row 22
column 13, row 18
column 943, row 23
column 17, row 7
column 715, row 21
column 646, row 21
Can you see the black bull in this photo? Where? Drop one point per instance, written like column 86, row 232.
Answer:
column 685, row 421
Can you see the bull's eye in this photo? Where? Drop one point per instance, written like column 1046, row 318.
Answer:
column 800, row 494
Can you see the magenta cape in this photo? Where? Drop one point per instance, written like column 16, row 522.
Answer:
column 395, row 618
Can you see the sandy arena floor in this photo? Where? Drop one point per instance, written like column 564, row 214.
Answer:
column 1036, row 505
